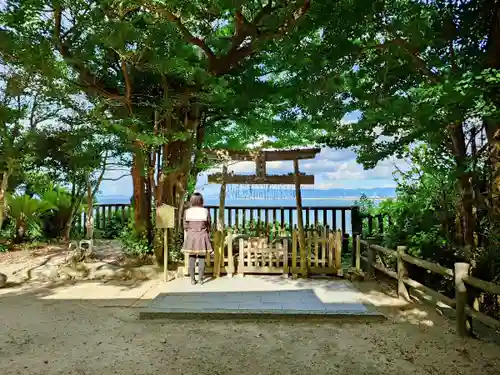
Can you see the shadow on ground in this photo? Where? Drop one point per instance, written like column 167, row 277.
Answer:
column 92, row 327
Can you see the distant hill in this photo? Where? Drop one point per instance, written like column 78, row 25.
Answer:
column 382, row 192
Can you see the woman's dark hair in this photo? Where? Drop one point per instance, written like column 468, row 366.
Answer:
column 196, row 200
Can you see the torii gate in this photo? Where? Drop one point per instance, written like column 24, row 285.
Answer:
column 261, row 157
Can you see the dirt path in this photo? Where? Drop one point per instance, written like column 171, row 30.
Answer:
column 64, row 336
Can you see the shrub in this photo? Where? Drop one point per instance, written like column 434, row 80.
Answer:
column 115, row 225
column 55, row 220
column 132, row 243
column 26, row 213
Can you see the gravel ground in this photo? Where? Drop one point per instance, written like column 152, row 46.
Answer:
column 50, row 336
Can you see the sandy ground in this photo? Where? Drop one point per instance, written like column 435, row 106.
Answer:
column 50, row 330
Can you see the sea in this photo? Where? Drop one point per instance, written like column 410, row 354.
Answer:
column 250, row 207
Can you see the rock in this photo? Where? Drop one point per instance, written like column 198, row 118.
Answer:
column 45, row 272
column 56, row 260
column 74, row 273
column 3, row 280
column 147, row 272
column 108, row 271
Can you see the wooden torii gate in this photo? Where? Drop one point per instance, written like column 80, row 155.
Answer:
column 261, row 177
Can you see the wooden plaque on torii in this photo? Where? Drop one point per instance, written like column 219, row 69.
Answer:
column 261, row 177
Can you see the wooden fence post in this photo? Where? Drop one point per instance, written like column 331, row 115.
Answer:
column 338, row 253
column 285, row 259
column 294, row 254
column 371, row 259
column 461, row 272
column 401, row 271
column 230, row 259
column 241, row 260
column 357, row 257
column 357, row 228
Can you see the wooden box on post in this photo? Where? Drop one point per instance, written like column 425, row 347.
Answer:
column 165, row 219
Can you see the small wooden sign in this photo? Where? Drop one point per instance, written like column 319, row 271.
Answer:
column 165, row 216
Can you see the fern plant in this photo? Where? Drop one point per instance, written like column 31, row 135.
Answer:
column 56, row 220
column 25, row 211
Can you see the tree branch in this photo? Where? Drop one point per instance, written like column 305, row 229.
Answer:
column 250, row 30
column 244, row 29
column 116, row 179
column 128, row 86
column 101, row 175
column 85, row 75
column 409, row 50
column 188, row 36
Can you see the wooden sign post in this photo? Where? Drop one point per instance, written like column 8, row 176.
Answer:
column 165, row 219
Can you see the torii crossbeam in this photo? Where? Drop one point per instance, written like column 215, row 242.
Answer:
column 260, row 158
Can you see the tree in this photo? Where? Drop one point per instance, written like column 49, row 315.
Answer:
column 25, row 105
column 77, row 155
column 161, row 67
column 415, row 73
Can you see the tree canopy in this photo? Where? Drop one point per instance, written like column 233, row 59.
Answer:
column 165, row 81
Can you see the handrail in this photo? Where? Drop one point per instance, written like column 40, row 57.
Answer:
column 483, row 285
column 385, row 250
column 434, row 267
column 461, row 279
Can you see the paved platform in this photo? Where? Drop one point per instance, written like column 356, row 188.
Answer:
column 255, row 297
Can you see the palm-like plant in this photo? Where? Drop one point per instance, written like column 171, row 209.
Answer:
column 23, row 210
column 65, row 207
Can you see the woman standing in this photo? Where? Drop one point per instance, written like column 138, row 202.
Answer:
column 197, row 236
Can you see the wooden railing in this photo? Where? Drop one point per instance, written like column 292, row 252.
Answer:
column 375, row 223
column 460, row 275
column 263, row 220
column 243, row 254
column 104, row 215
column 260, row 219
column 335, row 217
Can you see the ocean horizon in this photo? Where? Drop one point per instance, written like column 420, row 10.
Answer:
column 214, row 201
column 310, row 197
column 247, row 208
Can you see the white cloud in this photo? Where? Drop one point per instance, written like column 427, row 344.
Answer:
column 331, row 168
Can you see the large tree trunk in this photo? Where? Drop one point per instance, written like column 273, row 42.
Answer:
column 139, row 186
column 3, row 190
column 173, row 176
column 68, row 225
column 177, row 158
column 89, row 223
column 493, row 127
column 465, row 188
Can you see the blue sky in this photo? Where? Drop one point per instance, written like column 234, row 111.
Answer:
column 331, row 168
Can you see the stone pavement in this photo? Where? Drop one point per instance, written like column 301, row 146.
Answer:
column 259, row 297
